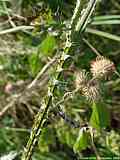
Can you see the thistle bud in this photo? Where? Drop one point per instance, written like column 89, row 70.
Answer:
column 81, row 79
column 102, row 67
column 91, row 91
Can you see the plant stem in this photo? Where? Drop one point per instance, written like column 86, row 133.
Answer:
column 83, row 21
column 15, row 29
column 93, row 145
column 91, row 47
column 40, row 119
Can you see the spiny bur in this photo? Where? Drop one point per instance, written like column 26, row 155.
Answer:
column 88, row 88
column 102, row 67
column 91, row 91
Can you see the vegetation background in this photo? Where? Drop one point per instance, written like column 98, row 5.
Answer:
column 32, row 33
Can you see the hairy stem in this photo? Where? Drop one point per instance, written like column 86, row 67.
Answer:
column 83, row 21
column 41, row 118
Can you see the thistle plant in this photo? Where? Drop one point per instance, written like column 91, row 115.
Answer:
column 77, row 27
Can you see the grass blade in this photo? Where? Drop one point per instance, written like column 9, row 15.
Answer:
column 103, row 34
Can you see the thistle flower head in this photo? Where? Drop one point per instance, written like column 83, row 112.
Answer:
column 81, row 79
column 88, row 88
column 102, row 67
column 91, row 91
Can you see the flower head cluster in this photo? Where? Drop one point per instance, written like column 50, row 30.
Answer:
column 90, row 88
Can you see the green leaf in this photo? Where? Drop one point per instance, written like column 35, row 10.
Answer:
column 66, row 135
column 100, row 117
column 34, row 63
column 103, row 34
column 107, row 22
column 48, row 45
column 82, row 141
column 106, row 17
column 50, row 156
column 47, row 139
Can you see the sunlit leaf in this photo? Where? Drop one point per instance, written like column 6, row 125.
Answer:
column 48, row 45
column 34, row 63
column 47, row 138
column 100, row 117
column 82, row 141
